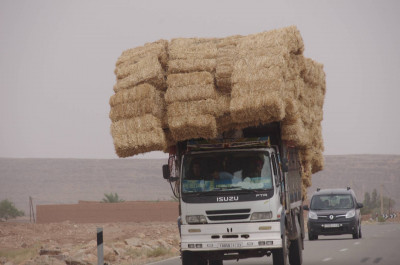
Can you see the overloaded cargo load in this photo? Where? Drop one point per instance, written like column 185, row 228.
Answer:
column 171, row 91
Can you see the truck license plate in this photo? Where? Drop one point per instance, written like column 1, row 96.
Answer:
column 331, row 225
column 230, row 245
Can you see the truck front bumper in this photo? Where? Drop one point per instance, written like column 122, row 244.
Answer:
column 231, row 236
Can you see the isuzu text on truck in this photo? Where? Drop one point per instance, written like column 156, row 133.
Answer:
column 238, row 197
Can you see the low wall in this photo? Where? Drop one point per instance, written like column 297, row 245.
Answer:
column 96, row 212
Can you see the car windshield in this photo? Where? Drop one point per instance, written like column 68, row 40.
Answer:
column 222, row 171
column 331, row 201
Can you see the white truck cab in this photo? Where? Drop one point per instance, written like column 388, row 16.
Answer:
column 232, row 195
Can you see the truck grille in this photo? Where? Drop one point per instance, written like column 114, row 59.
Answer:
column 226, row 215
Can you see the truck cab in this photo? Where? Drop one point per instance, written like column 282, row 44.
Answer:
column 232, row 195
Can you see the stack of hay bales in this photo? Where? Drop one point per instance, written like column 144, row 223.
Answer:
column 137, row 107
column 202, row 87
column 191, row 93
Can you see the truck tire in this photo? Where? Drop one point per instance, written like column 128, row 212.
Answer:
column 187, row 258
column 216, row 262
column 280, row 256
column 296, row 252
column 190, row 258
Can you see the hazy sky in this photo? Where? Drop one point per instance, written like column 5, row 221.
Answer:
column 57, row 63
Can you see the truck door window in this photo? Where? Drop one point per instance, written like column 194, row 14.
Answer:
column 275, row 168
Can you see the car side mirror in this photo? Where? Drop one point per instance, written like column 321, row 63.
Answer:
column 166, row 172
column 359, row 205
column 285, row 165
column 305, row 207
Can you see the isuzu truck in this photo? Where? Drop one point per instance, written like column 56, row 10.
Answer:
column 240, row 196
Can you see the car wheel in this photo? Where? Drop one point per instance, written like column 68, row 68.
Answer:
column 359, row 232
column 356, row 235
column 312, row 237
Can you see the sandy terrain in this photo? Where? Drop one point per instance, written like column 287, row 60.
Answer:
column 134, row 242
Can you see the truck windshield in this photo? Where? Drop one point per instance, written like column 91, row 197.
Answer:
column 222, row 171
column 331, row 201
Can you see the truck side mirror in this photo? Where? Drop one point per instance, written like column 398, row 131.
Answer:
column 305, row 207
column 285, row 165
column 359, row 205
column 165, row 171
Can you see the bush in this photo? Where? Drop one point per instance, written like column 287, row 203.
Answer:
column 8, row 210
column 111, row 198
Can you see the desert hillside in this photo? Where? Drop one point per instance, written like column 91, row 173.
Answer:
column 55, row 181
column 363, row 173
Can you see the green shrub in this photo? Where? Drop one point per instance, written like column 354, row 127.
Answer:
column 8, row 210
column 112, row 198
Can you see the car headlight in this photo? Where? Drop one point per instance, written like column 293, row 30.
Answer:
column 261, row 216
column 351, row 213
column 312, row 215
column 196, row 219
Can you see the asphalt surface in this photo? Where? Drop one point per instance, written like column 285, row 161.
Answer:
column 380, row 244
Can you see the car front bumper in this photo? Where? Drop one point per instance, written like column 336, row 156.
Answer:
column 323, row 227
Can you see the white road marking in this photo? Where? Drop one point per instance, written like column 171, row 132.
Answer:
column 343, row 249
column 357, row 243
column 327, row 259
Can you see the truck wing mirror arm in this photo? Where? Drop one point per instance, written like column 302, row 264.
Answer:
column 285, row 164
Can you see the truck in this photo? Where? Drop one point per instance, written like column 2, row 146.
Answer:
column 240, row 196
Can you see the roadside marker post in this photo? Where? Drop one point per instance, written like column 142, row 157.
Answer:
column 100, row 256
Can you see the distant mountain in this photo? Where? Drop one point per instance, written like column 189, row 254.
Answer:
column 54, row 181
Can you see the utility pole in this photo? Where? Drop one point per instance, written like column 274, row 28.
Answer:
column 381, row 194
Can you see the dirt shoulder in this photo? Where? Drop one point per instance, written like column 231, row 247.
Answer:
column 73, row 243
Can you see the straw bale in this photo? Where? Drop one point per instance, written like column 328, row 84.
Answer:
column 191, row 65
column 184, row 48
column 187, row 79
column 295, row 133
column 226, row 57
column 274, row 41
column 133, row 94
column 189, row 126
column 158, row 49
column 147, row 70
column 190, row 93
column 192, row 108
column 314, row 73
column 154, row 106
column 137, row 135
column 258, row 107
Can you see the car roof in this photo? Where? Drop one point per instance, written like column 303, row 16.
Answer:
column 334, row 191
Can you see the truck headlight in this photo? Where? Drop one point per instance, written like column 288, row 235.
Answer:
column 312, row 215
column 196, row 219
column 351, row 213
column 261, row 216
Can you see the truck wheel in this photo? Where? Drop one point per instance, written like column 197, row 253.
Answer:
column 216, row 262
column 280, row 256
column 295, row 252
column 189, row 258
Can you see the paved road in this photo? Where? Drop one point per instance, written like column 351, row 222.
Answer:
column 380, row 245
